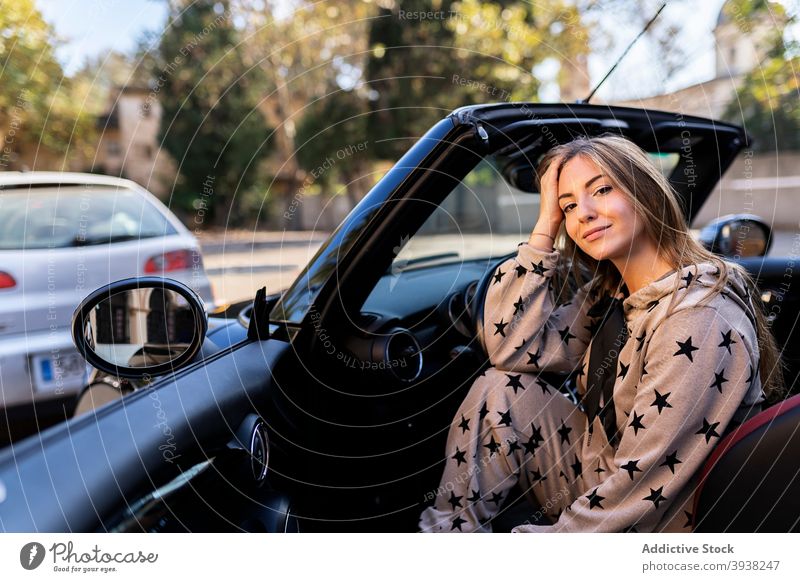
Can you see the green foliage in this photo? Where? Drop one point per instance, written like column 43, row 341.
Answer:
column 40, row 109
column 210, row 125
column 459, row 53
column 767, row 103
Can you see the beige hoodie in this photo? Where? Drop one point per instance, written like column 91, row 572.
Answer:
column 680, row 379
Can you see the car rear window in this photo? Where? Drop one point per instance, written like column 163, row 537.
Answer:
column 71, row 216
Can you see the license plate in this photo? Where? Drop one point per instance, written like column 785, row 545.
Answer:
column 61, row 372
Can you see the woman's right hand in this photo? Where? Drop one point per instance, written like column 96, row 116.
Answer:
column 550, row 213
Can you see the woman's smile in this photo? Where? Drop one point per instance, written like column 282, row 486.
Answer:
column 595, row 233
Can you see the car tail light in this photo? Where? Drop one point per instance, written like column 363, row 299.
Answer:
column 171, row 261
column 7, row 281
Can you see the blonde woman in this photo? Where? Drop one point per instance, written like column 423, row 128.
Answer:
column 665, row 341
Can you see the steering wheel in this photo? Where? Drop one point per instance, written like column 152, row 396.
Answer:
column 479, row 299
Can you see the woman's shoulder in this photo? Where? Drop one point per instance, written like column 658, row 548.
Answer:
column 698, row 293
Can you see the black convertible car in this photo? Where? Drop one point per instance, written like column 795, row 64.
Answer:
column 326, row 408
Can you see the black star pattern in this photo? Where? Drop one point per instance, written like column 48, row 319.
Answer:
column 482, row 412
column 686, row 349
column 537, row 477
column 520, row 270
column 652, row 305
column 631, row 467
column 521, row 345
column 513, row 382
column 476, row 496
column 500, row 328
column 513, row 446
column 708, row 430
column 566, row 335
column 498, row 276
column 492, row 445
column 563, row 474
column 661, row 401
column 464, row 424
column 530, row 446
column 640, row 339
column 623, row 370
column 689, row 518
column 577, row 467
column 534, row 358
column 457, row 523
column 595, row 499
column 564, row 432
column 636, row 423
column 536, row 434
column 727, row 340
column 644, row 369
column 496, row 498
column 599, row 469
column 538, row 268
column 719, row 380
column 460, row 457
column 505, row 417
column 655, row 496
column 672, row 460
column 455, row 500
column 688, row 278
column 519, row 306
column 543, row 385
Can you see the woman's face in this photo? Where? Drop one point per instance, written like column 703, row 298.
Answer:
column 599, row 218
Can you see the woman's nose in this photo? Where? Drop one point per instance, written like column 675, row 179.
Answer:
column 586, row 210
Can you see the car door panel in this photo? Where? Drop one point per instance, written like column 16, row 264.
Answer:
column 71, row 477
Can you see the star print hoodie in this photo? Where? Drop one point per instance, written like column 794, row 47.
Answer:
column 680, row 379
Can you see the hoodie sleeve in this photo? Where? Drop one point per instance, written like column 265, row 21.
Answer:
column 698, row 371
column 523, row 330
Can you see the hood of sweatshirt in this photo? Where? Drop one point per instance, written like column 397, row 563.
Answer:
column 696, row 281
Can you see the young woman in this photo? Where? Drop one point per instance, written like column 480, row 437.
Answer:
column 687, row 360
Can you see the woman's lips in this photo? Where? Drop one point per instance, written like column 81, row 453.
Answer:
column 595, row 233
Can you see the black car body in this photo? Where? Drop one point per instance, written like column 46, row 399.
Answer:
column 359, row 367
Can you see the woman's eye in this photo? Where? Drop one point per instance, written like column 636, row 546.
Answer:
column 603, row 190
column 568, row 207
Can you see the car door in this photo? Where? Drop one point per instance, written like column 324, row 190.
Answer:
column 351, row 451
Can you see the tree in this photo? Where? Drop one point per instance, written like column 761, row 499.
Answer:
column 767, row 103
column 305, row 60
column 210, row 124
column 40, row 109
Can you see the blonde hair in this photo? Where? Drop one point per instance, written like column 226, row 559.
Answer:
column 634, row 174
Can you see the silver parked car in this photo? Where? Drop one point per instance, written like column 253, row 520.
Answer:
column 62, row 235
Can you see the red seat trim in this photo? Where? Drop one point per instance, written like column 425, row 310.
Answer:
column 739, row 433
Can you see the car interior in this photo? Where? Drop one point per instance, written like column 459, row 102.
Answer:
column 369, row 353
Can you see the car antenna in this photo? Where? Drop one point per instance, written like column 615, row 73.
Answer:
column 622, row 56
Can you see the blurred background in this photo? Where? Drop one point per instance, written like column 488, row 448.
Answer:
column 260, row 124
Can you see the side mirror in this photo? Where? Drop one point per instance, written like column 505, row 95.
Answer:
column 140, row 327
column 737, row 236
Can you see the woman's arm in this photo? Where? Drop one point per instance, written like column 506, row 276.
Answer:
column 695, row 383
column 523, row 330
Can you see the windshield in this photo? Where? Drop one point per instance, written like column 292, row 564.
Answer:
column 69, row 216
column 484, row 216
